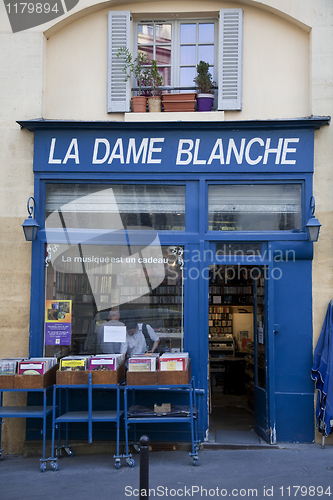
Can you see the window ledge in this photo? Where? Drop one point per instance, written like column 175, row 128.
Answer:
column 209, row 116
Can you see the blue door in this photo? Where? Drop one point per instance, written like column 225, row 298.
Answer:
column 292, row 330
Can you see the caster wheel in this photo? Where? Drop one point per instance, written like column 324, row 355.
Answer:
column 69, row 452
column 54, row 466
column 117, row 465
column 58, row 453
column 136, row 448
column 195, row 461
column 130, row 462
column 43, row 467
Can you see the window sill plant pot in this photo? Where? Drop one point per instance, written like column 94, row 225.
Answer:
column 183, row 101
column 154, row 81
column 205, row 102
column 138, row 67
column 139, row 104
column 205, row 85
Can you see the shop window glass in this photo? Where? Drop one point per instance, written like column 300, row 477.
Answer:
column 97, row 206
column 264, row 207
column 83, row 282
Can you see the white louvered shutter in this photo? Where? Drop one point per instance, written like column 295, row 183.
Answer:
column 230, row 59
column 118, row 98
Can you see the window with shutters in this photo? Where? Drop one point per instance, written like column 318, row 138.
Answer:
column 178, row 46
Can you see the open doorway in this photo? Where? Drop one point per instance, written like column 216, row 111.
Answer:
column 236, row 351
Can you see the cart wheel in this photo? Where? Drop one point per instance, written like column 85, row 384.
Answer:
column 130, row 462
column 43, row 467
column 69, row 452
column 54, row 466
column 195, row 461
column 117, row 465
column 136, row 448
column 58, row 453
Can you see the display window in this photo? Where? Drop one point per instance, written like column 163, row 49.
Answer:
column 257, row 207
column 83, row 282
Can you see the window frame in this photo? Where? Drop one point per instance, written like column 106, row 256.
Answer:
column 176, row 44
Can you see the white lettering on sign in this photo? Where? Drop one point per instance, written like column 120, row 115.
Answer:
column 190, row 151
column 240, row 152
column 146, row 150
column 72, row 152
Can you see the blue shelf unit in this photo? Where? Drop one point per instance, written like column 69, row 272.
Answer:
column 187, row 390
column 89, row 416
column 41, row 412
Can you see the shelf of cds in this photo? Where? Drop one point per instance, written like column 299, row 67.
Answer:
column 35, row 375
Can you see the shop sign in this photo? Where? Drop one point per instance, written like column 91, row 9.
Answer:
column 83, row 150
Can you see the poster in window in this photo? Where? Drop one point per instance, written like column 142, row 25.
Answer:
column 58, row 318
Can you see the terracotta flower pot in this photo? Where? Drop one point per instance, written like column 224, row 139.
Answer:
column 139, row 104
column 180, row 96
column 179, row 105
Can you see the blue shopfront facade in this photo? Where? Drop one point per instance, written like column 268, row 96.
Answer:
column 222, row 169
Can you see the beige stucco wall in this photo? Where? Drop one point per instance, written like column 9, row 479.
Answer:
column 58, row 70
column 276, row 63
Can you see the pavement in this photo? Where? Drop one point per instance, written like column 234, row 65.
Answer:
column 285, row 471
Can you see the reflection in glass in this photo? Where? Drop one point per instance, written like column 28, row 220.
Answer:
column 188, row 33
column 260, row 207
column 147, row 51
column 187, row 76
column 96, row 206
column 145, row 33
column 163, row 33
column 166, row 73
column 187, row 54
column 163, row 54
column 206, row 33
column 206, row 53
column 143, row 282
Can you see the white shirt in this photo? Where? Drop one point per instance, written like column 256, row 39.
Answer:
column 136, row 343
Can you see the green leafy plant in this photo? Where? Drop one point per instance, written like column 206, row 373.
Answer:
column 204, row 79
column 155, row 79
column 138, row 67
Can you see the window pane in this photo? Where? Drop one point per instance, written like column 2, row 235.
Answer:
column 206, row 53
column 188, row 33
column 163, row 33
column 83, row 282
column 145, row 33
column 206, row 33
column 187, row 54
column 163, row 54
column 89, row 206
column 275, row 207
column 166, row 73
column 147, row 51
column 187, row 76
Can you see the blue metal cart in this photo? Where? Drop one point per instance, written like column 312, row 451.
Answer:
column 29, row 412
column 188, row 390
column 88, row 416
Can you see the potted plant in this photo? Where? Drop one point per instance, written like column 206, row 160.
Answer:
column 155, row 81
column 139, row 69
column 205, row 85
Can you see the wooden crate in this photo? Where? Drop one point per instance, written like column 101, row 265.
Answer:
column 175, row 377
column 99, row 377
column 7, row 381
column 79, row 377
column 36, row 381
column 142, row 378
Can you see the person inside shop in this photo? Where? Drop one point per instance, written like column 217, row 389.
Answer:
column 140, row 337
column 111, row 347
